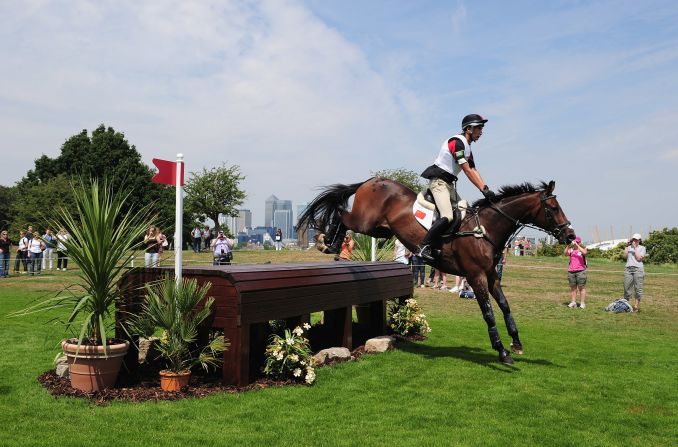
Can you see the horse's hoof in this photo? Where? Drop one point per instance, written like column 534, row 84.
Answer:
column 516, row 349
column 505, row 358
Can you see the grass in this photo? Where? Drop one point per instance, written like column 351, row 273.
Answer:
column 587, row 377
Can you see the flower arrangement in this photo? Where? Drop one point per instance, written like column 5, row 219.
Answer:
column 288, row 357
column 407, row 318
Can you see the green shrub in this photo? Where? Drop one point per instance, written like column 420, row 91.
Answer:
column 662, row 246
column 551, row 250
column 616, row 253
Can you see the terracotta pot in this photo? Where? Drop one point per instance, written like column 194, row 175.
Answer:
column 91, row 369
column 171, row 381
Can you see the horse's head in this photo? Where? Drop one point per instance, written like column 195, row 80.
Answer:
column 551, row 217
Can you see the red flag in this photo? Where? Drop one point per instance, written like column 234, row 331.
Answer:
column 167, row 172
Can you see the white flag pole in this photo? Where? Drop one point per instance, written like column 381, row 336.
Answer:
column 179, row 221
column 374, row 249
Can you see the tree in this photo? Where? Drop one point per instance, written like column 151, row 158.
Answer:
column 404, row 176
column 40, row 203
column 7, row 206
column 662, row 246
column 214, row 192
column 106, row 154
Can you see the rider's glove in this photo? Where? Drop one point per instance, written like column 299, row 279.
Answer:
column 489, row 194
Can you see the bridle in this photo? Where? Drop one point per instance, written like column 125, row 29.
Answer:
column 556, row 229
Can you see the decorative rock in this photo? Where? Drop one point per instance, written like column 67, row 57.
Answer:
column 332, row 355
column 380, row 344
column 62, row 367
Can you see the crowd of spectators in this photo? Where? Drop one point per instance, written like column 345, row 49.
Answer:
column 32, row 252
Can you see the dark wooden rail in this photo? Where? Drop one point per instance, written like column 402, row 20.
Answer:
column 248, row 296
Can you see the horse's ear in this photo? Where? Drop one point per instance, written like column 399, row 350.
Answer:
column 550, row 188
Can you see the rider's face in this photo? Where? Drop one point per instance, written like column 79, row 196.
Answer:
column 476, row 132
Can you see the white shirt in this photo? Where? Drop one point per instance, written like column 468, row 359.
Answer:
column 446, row 161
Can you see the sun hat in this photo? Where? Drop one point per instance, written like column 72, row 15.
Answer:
column 636, row 236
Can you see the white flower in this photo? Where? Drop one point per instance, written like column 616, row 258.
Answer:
column 279, row 356
column 307, row 326
column 294, row 357
column 298, row 331
column 310, row 377
column 297, row 372
column 303, row 363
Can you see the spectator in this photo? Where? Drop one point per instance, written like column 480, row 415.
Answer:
column 206, row 238
column 5, row 254
column 346, row 247
column 62, row 255
column 576, row 273
column 50, row 243
column 22, row 253
column 521, row 247
column 634, row 273
column 442, row 277
column 502, row 262
column 197, row 234
column 277, row 239
column 516, row 248
column 431, row 275
column 457, row 284
column 152, row 243
column 401, row 253
column 29, row 233
column 222, row 249
column 35, row 248
column 418, row 270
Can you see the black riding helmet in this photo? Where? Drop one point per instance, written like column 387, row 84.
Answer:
column 472, row 120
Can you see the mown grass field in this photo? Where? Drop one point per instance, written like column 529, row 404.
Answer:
column 587, row 377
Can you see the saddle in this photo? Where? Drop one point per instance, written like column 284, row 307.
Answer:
column 426, row 212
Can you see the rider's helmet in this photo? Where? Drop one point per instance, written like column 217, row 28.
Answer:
column 472, row 120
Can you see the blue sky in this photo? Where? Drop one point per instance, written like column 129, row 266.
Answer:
column 307, row 93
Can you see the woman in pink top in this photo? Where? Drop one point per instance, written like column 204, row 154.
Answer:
column 576, row 273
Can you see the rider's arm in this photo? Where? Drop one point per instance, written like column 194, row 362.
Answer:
column 473, row 175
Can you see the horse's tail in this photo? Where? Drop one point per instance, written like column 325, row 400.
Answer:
column 322, row 211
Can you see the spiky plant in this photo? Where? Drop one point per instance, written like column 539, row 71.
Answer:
column 172, row 308
column 103, row 239
column 362, row 251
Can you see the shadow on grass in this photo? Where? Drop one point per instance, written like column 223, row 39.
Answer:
column 472, row 354
column 4, row 389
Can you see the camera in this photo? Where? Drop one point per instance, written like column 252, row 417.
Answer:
column 222, row 251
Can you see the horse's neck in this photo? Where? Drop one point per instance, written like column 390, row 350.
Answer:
column 518, row 209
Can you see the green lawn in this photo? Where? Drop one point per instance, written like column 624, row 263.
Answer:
column 587, row 377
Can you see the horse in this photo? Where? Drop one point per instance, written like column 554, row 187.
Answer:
column 383, row 208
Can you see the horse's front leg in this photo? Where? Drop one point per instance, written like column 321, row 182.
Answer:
column 479, row 286
column 500, row 298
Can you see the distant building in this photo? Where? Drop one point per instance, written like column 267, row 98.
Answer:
column 278, row 214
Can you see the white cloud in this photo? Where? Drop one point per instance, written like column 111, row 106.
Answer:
column 264, row 85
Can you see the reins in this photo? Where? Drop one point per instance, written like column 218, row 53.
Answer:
column 548, row 214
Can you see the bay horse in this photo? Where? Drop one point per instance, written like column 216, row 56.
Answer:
column 382, row 208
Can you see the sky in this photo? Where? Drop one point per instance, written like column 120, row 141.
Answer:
column 302, row 94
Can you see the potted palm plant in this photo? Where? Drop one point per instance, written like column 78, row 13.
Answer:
column 171, row 307
column 103, row 240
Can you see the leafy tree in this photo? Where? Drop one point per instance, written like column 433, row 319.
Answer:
column 214, row 192
column 104, row 154
column 7, row 206
column 40, row 203
column 662, row 246
column 405, row 176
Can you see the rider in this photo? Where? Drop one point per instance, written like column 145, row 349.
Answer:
column 454, row 156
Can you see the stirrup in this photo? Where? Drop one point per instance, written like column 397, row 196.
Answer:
column 427, row 253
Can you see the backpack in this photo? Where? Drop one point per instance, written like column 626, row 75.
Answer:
column 619, row 306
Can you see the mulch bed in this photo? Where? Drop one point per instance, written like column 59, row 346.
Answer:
column 144, row 385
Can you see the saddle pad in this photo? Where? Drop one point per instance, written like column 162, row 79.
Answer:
column 424, row 210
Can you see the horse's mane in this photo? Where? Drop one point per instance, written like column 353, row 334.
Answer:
column 507, row 191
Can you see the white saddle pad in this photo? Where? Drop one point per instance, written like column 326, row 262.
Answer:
column 423, row 210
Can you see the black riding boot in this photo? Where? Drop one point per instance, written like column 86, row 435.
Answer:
column 434, row 233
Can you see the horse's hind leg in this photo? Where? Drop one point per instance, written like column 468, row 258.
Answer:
column 500, row 298
column 482, row 296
